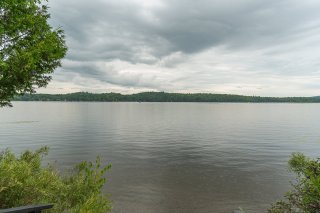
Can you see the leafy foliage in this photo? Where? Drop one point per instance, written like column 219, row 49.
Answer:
column 305, row 196
column 29, row 48
column 23, row 182
column 163, row 97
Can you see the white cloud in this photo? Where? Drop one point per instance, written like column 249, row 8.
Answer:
column 246, row 47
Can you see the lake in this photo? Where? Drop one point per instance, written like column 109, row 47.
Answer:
column 173, row 157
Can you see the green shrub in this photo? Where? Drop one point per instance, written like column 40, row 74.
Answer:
column 305, row 195
column 23, row 181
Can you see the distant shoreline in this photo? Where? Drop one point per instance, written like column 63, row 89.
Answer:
column 163, row 97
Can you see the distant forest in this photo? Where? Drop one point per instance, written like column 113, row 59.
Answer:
column 163, row 97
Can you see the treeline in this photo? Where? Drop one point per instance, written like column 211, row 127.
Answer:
column 162, row 97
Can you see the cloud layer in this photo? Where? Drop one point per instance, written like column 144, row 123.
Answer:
column 234, row 46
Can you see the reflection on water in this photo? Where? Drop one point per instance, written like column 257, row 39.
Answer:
column 173, row 157
column 21, row 122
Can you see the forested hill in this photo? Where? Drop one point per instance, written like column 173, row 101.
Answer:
column 162, row 97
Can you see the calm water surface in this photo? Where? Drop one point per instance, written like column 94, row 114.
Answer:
column 173, row 157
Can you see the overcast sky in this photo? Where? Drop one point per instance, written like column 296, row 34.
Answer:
column 249, row 47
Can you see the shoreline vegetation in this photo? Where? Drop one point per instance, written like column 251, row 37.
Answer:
column 163, row 97
column 25, row 180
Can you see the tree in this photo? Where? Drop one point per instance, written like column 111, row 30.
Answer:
column 30, row 49
column 305, row 195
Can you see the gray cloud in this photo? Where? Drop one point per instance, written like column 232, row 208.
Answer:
column 238, row 46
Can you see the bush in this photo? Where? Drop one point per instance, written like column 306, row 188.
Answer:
column 305, row 195
column 23, row 181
